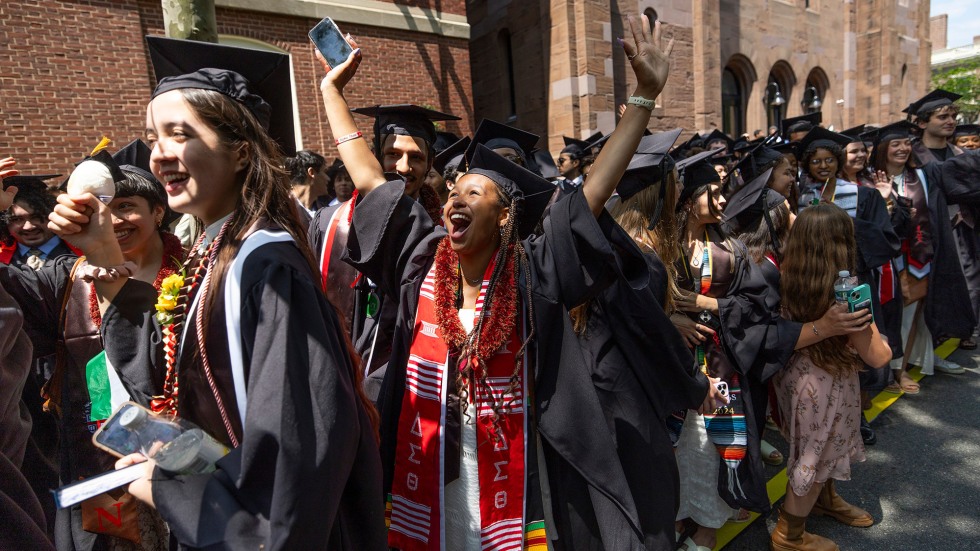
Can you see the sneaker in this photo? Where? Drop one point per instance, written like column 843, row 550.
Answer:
column 947, row 366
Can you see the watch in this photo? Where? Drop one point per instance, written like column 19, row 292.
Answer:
column 640, row 101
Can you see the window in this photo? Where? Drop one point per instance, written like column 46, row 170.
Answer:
column 732, row 103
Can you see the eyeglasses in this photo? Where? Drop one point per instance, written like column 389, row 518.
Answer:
column 827, row 161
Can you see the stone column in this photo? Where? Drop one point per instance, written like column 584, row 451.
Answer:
column 707, row 63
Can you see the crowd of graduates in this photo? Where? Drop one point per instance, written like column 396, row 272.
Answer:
column 435, row 342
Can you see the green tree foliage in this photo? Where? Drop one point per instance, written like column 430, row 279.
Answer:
column 963, row 79
column 190, row 19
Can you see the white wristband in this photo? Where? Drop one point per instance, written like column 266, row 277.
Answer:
column 640, row 101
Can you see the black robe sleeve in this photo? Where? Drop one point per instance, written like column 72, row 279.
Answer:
column 133, row 340
column 307, row 473
column 874, row 231
column 40, row 294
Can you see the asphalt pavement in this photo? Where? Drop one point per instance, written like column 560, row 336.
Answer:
column 921, row 480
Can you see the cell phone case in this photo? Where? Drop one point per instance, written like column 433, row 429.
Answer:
column 330, row 42
column 117, row 442
column 859, row 298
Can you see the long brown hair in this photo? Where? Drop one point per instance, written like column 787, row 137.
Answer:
column 263, row 196
column 820, row 244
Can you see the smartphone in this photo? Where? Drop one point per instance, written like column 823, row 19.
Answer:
column 722, row 387
column 115, row 439
column 859, row 298
column 331, row 42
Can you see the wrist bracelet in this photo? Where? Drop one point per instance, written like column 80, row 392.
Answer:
column 348, row 137
column 813, row 326
column 640, row 101
column 90, row 273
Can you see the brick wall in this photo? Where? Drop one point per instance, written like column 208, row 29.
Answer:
column 77, row 70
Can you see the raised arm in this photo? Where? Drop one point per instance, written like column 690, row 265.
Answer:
column 363, row 167
column 651, row 65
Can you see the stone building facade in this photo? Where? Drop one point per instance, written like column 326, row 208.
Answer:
column 553, row 66
column 75, row 70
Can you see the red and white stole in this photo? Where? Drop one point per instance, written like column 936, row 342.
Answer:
column 417, row 492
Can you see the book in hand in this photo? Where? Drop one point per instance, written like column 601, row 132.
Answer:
column 78, row 492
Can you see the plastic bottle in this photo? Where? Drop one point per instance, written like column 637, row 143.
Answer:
column 176, row 446
column 842, row 287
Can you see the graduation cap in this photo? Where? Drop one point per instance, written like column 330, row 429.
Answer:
column 803, row 123
column 741, row 144
column 257, row 79
column 747, row 206
column 497, row 135
column 681, row 149
column 855, row 132
column 22, row 180
column 648, row 166
column 578, row 148
column 404, row 119
column 451, row 155
column 135, row 157
column 696, row 171
column 532, row 192
column 966, row 130
column 933, row 100
column 788, row 148
column 544, row 164
column 820, row 137
column 717, row 135
column 335, row 167
column 444, row 140
column 755, row 161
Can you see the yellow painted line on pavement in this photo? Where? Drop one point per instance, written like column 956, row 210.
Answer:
column 776, row 487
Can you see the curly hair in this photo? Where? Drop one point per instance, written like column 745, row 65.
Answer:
column 33, row 195
column 834, row 149
column 821, row 244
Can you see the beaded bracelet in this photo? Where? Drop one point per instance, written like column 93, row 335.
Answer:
column 348, row 137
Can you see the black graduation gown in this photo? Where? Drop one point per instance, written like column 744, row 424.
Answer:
column 22, row 517
column 393, row 241
column 306, row 474
column 744, row 320
column 948, row 310
column 643, row 371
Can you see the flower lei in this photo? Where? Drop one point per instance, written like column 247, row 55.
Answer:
column 172, row 305
column 173, row 256
column 498, row 317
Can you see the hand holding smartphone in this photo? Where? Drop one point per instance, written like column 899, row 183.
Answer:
column 330, row 42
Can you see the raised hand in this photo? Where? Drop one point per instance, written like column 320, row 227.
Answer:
column 83, row 221
column 650, row 61
column 883, row 184
column 7, row 195
column 338, row 77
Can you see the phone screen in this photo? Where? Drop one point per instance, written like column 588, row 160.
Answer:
column 115, row 439
column 331, row 42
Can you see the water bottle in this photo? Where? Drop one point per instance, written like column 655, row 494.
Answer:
column 177, row 446
column 842, row 287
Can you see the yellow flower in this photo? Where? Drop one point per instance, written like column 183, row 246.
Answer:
column 171, row 284
column 166, row 303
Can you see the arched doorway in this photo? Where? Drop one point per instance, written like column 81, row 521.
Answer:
column 736, row 85
column 778, row 93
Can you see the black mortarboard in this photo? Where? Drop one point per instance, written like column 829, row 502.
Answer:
column 788, row 148
column 578, row 148
column 452, row 154
column 135, row 157
column 544, row 164
column 335, row 167
column 497, row 135
column 967, row 130
column 752, row 203
column 741, row 144
column 444, row 140
column 855, row 132
column 696, row 171
column 259, row 80
column 803, row 123
column 755, row 161
column 933, row 100
column 532, row 192
column 28, row 180
column 718, row 135
column 682, row 149
column 820, row 137
column 648, row 164
column 403, row 119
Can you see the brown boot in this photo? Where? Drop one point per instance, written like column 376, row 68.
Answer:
column 833, row 505
column 791, row 535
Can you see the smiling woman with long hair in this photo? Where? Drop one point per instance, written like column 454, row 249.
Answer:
column 246, row 344
column 486, row 394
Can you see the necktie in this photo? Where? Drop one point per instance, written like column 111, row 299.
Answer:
column 34, row 259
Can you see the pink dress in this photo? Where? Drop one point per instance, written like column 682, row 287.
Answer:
column 821, row 418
